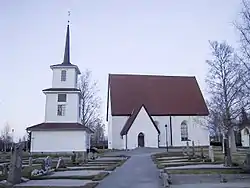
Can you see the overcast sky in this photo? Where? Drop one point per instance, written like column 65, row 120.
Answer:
column 167, row 37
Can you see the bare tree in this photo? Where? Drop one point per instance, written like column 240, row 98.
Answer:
column 227, row 91
column 24, row 139
column 243, row 26
column 98, row 136
column 91, row 101
column 5, row 135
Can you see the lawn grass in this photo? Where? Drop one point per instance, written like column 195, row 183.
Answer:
column 88, row 185
column 80, row 168
column 96, row 177
column 26, row 172
column 205, row 171
column 46, row 177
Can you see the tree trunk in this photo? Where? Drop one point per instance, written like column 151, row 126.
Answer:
column 227, row 152
column 232, row 143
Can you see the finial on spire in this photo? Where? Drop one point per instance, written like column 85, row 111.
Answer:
column 66, row 60
column 68, row 17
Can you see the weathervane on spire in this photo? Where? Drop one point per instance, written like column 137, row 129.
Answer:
column 68, row 16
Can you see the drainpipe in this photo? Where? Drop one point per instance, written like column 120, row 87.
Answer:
column 171, row 133
column 166, row 126
column 126, row 140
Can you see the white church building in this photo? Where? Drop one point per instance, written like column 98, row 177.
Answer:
column 62, row 130
column 155, row 111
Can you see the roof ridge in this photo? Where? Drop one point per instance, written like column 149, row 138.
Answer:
column 152, row 75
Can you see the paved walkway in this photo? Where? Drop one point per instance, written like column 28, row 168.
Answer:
column 139, row 171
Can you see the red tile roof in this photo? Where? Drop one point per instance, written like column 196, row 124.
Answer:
column 59, row 126
column 132, row 118
column 162, row 95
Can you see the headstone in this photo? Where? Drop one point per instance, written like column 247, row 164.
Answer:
column 193, row 148
column 15, row 172
column 246, row 164
column 211, row 153
column 43, row 165
column 73, row 158
column 202, row 153
column 5, row 170
column 48, row 163
column 85, row 157
column 79, row 157
column 188, row 149
column 30, row 161
column 60, row 163
column 183, row 150
column 90, row 155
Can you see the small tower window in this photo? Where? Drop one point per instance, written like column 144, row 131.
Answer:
column 63, row 75
column 61, row 109
column 62, row 98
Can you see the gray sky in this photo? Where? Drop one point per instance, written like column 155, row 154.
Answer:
column 168, row 37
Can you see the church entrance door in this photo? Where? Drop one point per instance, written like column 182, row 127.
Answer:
column 141, row 140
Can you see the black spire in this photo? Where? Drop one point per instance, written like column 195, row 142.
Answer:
column 66, row 60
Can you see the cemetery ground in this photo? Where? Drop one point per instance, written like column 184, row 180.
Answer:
column 53, row 170
column 177, row 168
column 202, row 167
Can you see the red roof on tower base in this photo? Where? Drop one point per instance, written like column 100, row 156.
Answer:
column 162, row 95
column 58, row 127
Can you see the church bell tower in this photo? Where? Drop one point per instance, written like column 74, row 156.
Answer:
column 63, row 99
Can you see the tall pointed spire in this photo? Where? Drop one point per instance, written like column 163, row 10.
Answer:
column 66, row 59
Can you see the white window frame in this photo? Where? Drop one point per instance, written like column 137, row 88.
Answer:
column 61, row 109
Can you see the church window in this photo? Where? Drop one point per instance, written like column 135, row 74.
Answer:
column 61, row 110
column 184, row 131
column 63, row 75
column 62, row 98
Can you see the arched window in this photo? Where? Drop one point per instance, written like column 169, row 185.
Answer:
column 184, row 131
column 246, row 131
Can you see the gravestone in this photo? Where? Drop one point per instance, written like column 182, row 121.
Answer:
column 73, row 158
column 211, row 153
column 48, row 163
column 188, row 149
column 15, row 173
column 183, row 150
column 85, row 157
column 78, row 157
column 193, row 149
column 202, row 153
column 5, row 170
column 43, row 165
column 60, row 163
column 30, row 161
column 90, row 155
column 246, row 164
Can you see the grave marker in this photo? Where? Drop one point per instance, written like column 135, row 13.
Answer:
column 211, row 153
column 193, row 149
column 60, row 163
column 15, row 173
column 188, row 149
